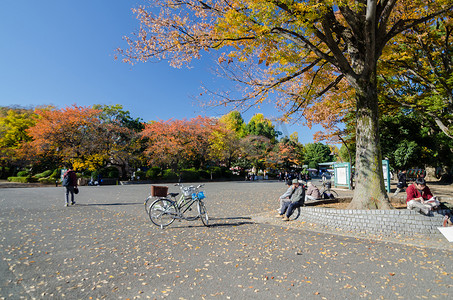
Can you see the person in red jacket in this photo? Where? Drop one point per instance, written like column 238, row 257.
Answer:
column 420, row 198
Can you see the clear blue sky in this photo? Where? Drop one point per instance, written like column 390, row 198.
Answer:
column 61, row 52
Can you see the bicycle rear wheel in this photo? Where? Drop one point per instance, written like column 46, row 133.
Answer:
column 162, row 212
column 203, row 213
column 147, row 204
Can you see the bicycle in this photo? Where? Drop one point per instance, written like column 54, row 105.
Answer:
column 326, row 191
column 163, row 211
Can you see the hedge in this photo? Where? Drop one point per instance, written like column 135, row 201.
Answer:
column 22, row 179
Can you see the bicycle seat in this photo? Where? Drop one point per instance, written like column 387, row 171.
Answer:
column 173, row 194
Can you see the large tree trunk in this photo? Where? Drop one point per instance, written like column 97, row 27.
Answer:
column 369, row 190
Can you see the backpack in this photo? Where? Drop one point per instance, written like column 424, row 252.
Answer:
column 66, row 180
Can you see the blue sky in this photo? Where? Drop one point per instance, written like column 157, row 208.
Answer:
column 61, row 52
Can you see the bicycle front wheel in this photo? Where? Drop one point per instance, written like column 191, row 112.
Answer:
column 203, row 213
column 162, row 212
column 333, row 193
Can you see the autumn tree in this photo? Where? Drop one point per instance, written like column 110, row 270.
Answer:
column 14, row 123
column 120, row 141
column 261, row 126
column 288, row 152
column 68, row 136
column 256, row 148
column 225, row 147
column 300, row 49
column 179, row 142
column 234, row 122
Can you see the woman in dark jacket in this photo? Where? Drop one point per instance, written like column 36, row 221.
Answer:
column 402, row 184
column 70, row 184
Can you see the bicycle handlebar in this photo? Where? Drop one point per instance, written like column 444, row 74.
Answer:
column 182, row 185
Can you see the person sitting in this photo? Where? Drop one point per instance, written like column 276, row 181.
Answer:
column 402, row 183
column 312, row 192
column 297, row 200
column 286, row 197
column 420, row 198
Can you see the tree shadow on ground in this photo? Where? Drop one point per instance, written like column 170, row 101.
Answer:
column 108, row 204
column 222, row 222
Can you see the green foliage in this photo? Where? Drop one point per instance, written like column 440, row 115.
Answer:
column 20, row 179
column 405, row 153
column 140, row 175
column 169, row 175
column 260, row 126
column 112, row 172
column 190, row 175
column 116, row 114
column 316, row 153
column 153, row 173
column 234, row 121
column 13, row 127
column 108, row 172
column 242, row 163
column 409, row 141
column 23, row 173
column 47, row 180
column 217, row 171
column 56, row 174
column 46, row 173
column 344, row 155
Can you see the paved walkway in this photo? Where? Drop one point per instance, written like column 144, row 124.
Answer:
column 105, row 247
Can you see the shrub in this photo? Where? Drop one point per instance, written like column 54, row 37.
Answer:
column 23, row 173
column 140, row 175
column 216, row 172
column 153, row 173
column 20, row 179
column 109, row 172
column 112, row 172
column 169, row 174
column 190, row 174
column 204, row 174
column 47, row 180
column 56, row 174
column 46, row 173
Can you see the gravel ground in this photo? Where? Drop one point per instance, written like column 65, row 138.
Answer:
column 105, row 247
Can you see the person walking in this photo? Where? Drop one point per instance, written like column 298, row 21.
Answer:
column 70, row 184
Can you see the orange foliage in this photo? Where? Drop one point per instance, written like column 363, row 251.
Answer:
column 172, row 141
column 64, row 134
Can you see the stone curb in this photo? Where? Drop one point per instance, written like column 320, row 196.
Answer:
column 434, row 239
column 382, row 222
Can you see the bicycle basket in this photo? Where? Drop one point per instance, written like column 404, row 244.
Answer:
column 188, row 191
column 159, row 191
